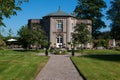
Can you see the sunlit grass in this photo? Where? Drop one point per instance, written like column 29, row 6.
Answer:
column 20, row 65
column 20, row 52
column 98, row 51
column 99, row 67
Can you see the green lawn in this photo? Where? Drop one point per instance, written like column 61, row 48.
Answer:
column 19, row 52
column 20, row 67
column 99, row 67
column 101, row 52
column 98, row 51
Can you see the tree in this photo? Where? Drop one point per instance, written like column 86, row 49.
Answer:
column 91, row 9
column 24, row 36
column 81, row 35
column 104, row 35
column 46, row 45
column 114, row 15
column 100, row 43
column 38, row 37
column 2, row 44
column 8, row 8
column 10, row 33
column 30, row 36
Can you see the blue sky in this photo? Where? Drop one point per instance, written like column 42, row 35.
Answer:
column 36, row 9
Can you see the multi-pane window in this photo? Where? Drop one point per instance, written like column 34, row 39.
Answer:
column 59, row 39
column 60, row 25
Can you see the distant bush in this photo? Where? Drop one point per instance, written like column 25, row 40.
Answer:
column 2, row 44
column 118, row 48
column 118, row 44
column 58, row 51
column 99, row 43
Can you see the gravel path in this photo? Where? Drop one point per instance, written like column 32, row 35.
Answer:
column 59, row 67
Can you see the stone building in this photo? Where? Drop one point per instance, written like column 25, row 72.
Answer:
column 58, row 27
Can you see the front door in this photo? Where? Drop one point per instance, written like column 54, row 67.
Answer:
column 59, row 42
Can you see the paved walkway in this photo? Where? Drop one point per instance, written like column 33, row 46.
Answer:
column 59, row 67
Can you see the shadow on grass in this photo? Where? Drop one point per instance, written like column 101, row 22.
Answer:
column 25, row 50
column 36, row 51
column 106, row 57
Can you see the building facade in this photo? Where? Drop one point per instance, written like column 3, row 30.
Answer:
column 58, row 27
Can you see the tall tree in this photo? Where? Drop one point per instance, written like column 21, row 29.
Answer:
column 8, row 8
column 114, row 15
column 81, row 34
column 91, row 9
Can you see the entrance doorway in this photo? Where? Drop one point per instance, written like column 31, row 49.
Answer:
column 59, row 42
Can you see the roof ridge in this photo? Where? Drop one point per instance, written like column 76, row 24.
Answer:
column 59, row 13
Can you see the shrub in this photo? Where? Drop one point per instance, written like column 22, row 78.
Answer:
column 118, row 44
column 59, row 51
column 118, row 48
column 2, row 44
column 101, row 42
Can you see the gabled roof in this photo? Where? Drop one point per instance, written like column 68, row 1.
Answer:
column 59, row 13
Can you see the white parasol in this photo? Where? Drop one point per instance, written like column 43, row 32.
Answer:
column 11, row 40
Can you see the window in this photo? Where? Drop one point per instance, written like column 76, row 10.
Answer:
column 60, row 25
column 59, row 39
column 59, row 42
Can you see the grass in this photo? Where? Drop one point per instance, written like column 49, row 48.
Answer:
column 102, row 52
column 99, row 67
column 20, row 67
column 99, row 51
column 20, row 52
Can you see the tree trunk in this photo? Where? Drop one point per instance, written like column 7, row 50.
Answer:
column 73, row 52
column 46, row 52
column 81, row 49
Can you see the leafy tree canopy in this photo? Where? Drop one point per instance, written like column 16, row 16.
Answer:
column 8, row 8
column 81, row 34
column 91, row 9
column 114, row 15
column 31, row 36
column 104, row 35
